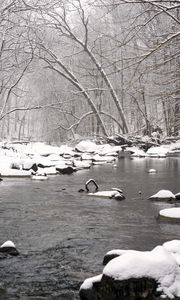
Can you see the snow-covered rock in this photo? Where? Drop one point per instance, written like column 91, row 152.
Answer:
column 80, row 165
column 163, row 195
column 103, row 159
column 160, row 151
column 170, row 213
column 47, row 170
column 88, row 283
column 106, row 194
column 137, row 274
column 177, row 196
column 152, row 171
column 86, row 156
column 8, row 248
column 138, row 152
column 87, row 146
column 158, row 264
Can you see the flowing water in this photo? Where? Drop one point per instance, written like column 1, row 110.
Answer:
column 63, row 235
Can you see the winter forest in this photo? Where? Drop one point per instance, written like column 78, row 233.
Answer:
column 88, row 68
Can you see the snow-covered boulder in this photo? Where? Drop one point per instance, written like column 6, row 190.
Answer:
column 86, row 156
column 8, row 248
column 163, row 195
column 138, row 153
column 65, row 169
column 109, row 150
column 103, row 159
column 86, row 146
column 152, row 171
column 41, row 149
column 112, row 254
column 47, row 171
column 170, row 214
column 114, row 193
column 136, row 275
column 159, row 151
column 177, row 196
column 80, row 165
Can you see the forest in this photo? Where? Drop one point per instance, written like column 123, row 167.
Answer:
column 88, row 68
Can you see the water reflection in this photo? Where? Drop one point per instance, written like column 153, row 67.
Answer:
column 63, row 235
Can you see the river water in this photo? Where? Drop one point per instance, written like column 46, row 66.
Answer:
column 63, row 235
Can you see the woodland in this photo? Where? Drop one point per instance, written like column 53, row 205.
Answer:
column 88, row 68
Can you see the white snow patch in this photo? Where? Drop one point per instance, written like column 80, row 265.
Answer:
column 173, row 212
column 152, row 171
column 8, row 244
column 104, row 194
column 88, row 283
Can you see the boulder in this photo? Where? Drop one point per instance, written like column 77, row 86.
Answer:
column 65, row 170
column 177, row 196
column 130, row 289
column 137, row 275
column 164, row 195
column 8, row 248
column 170, row 214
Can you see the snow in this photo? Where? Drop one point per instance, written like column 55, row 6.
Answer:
column 173, row 212
column 47, row 170
column 39, row 177
column 163, row 194
column 138, row 152
column 152, row 171
column 8, row 244
column 119, row 252
column 104, row 194
column 158, row 264
column 7, row 172
column 172, row 246
column 160, row 151
column 81, row 164
column 105, row 158
column 86, row 146
column 88, row 283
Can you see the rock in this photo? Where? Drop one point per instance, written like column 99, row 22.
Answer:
column 130, row 289
column 170, row 214
column 80, row 165
column 8, row 248
column 66, row 170
column 177, row 196
column 137, row 275
column 164, row 195
column 152, row 171
column 86, row 146
column 109, row 257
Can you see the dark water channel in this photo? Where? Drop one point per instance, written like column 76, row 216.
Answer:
column 62, row 235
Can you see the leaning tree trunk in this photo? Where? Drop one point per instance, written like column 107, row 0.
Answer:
column 67, row 74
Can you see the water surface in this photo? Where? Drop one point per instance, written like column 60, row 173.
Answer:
column 63, row 235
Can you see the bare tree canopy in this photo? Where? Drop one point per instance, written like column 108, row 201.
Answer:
column 93, row 68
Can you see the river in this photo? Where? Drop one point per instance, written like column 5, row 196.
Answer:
column 63, row 235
